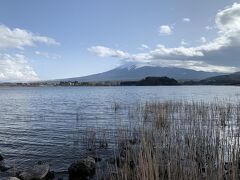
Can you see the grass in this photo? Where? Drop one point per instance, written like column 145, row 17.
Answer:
column 175, row 140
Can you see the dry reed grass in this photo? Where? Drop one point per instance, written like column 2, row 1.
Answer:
column 177, row 140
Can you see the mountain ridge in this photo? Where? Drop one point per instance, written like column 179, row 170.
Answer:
column 229, row 79
column 138, row 72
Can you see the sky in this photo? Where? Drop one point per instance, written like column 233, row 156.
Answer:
column 42, row 40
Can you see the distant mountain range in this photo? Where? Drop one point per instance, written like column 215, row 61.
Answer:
column 230, row 79
column 131, row 72
column 139, row 75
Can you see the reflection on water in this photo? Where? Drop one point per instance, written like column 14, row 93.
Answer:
column 50, row 123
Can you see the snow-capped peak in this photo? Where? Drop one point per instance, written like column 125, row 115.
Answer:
column 132, row 66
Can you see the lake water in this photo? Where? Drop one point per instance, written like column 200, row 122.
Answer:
column 48, row 123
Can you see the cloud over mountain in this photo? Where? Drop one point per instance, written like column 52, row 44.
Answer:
column 219, row 54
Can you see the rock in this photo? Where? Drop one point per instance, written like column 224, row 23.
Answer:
column 1, row 158
column 90, row 161
column 13, row 178
column 82, row 169
column 96, row 158
column 3, row 167
column 39, row 172
column 50, row 175
column 41, row 162
column 113, row 176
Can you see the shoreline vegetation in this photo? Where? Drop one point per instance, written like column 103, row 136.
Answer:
column 148, row 81
column 162, row 140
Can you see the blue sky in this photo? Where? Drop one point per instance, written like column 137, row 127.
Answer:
column 59, row 39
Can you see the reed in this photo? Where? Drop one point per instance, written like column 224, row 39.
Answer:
column 176, row 140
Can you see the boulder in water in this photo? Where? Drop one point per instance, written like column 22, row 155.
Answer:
column 39, row 172
column 13, row 178
column 96, row 158
column 1, row 158
column 3, row 167
column 82, row 169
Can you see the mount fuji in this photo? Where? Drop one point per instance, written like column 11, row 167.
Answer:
column 131, row 71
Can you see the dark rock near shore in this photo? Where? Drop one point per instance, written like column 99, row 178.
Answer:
column 13, row 178
column 1, row 158
column 50, row 175
column 82, row 169
column 96, row 158
column 3, row 167
column 39, row 171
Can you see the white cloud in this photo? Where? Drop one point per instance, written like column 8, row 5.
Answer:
column 195, row 65
column 20, row 38
column 186, row 19
column 16, row 68
column 143, row 47
column 107, row 52
column 203, row 40
column 220, row 54
column 183, row 42
column 165, row 30
column 209, row 28
column 163, row 52
column 13, row 66
column 47, row 55
column 228, row 20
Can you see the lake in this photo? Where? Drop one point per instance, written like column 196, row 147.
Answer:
column 49, row 123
